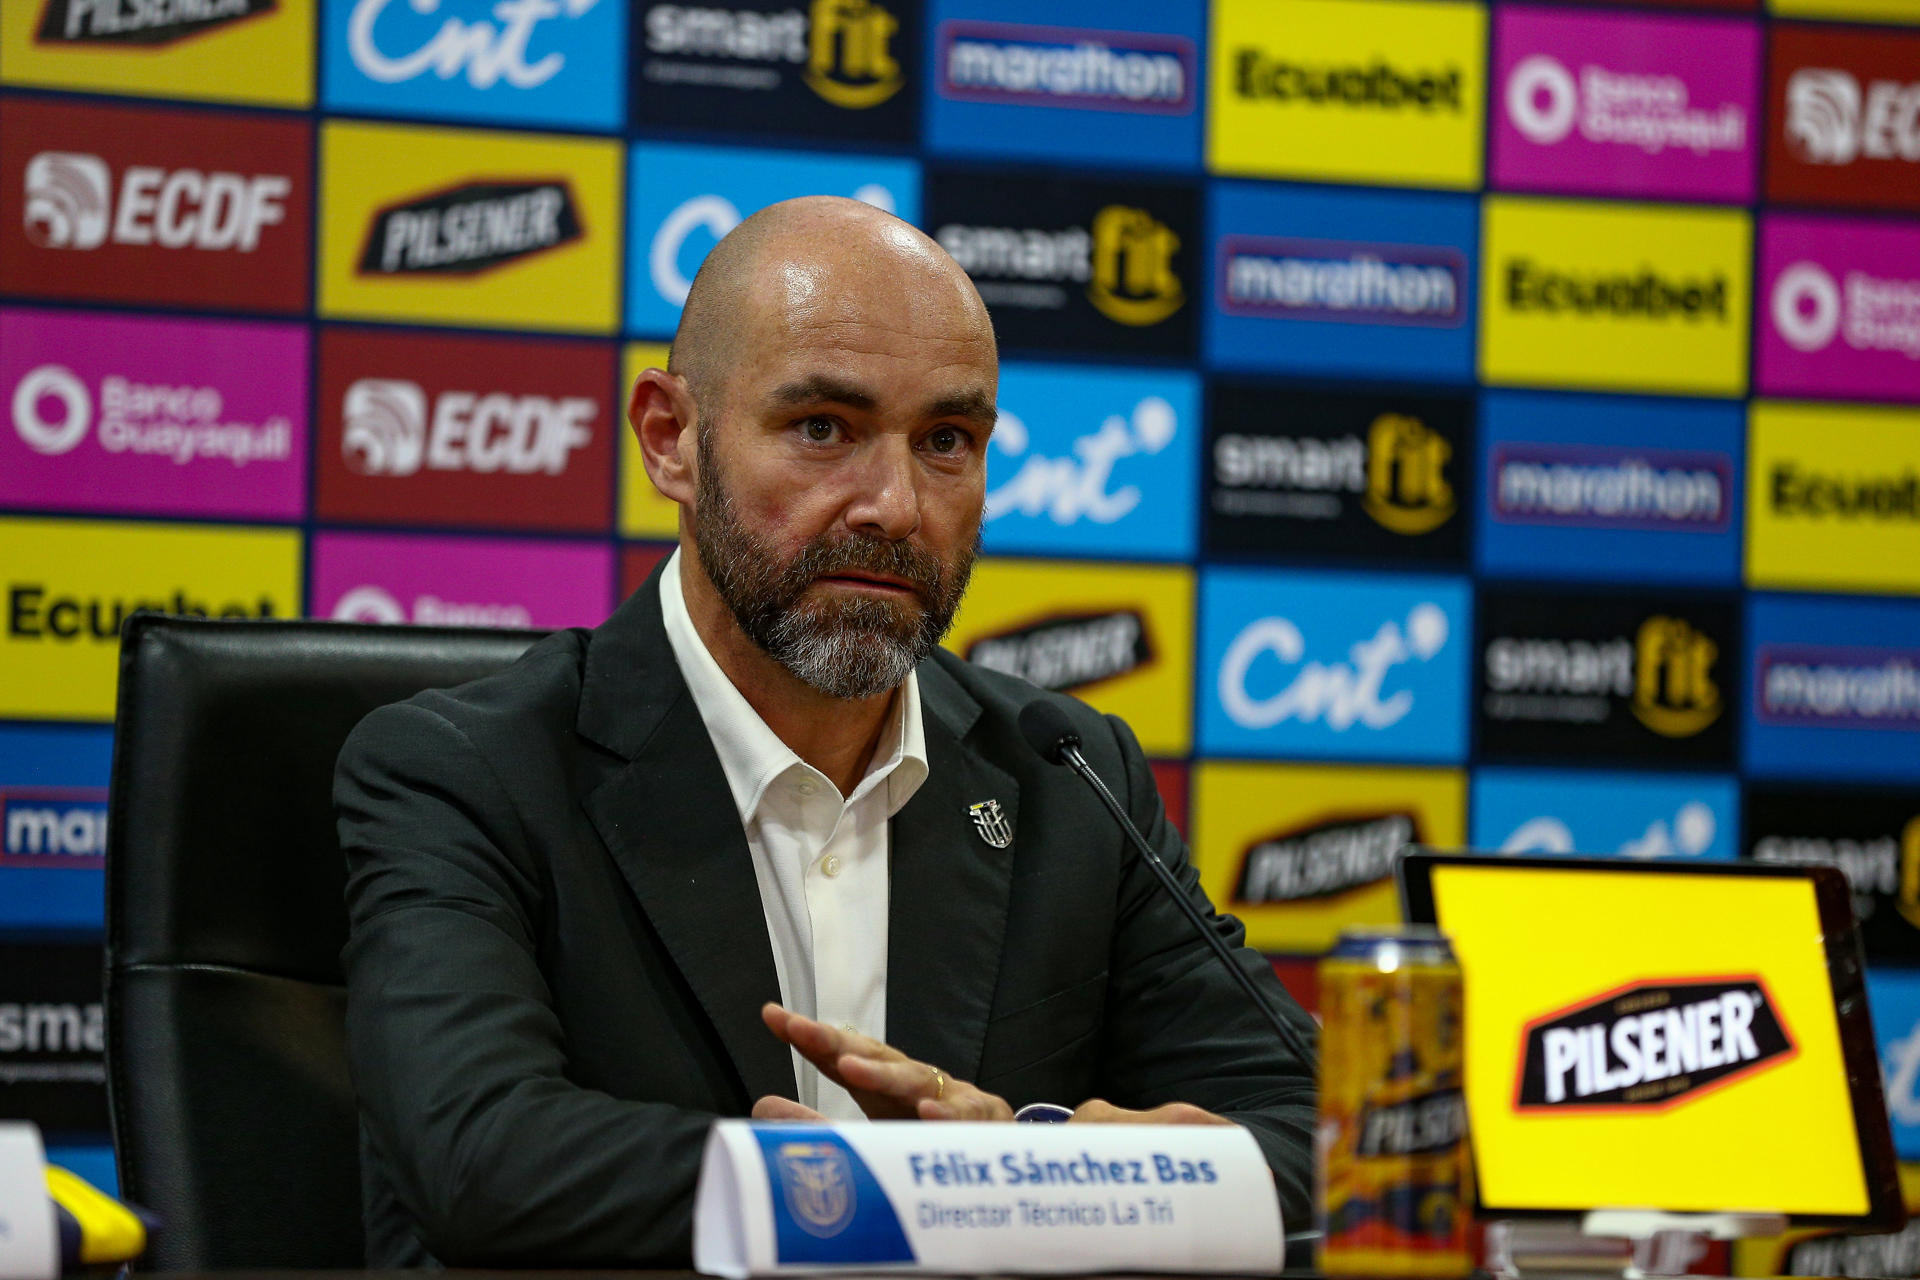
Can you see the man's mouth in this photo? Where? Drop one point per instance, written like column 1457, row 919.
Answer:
column 878, row 583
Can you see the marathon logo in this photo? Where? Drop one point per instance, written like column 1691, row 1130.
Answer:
column 71, row 203
column 36, row 613
column 1123, row 259
column 470, row 228
column 1645, row 296
column 1664, row 673
column 1651, row 1045
column 1335, row 280
column 1841, row 688
column 1378, row 86
column 390, row 431
column 843, row 48
column 147, row 23
column 1323, row 859
column 1792, row 491
column 1422, row 1126
column 1048, row 66
column 1831, row 119
column 1602, row 487
column 53, row 827
column 1070, row 651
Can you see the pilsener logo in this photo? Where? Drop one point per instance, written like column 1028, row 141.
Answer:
column 390, row 432
column 1331, row 280
column 71, row 204
column 1070, row 651
column 1050, row 66
column 470, row 228
column 147, row 23
column 1650, row 1045
column 1324, row 858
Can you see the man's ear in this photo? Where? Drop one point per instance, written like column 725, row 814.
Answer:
column 662, row 414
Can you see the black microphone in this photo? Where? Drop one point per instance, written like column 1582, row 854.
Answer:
column 1052, row 735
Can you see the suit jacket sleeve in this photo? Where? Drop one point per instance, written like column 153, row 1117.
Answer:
column 1179, row 1029
column 456, row 1052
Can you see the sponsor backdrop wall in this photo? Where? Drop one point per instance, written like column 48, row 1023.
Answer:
column 1426, row 420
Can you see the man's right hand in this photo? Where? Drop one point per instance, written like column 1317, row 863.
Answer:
column 886, row 1083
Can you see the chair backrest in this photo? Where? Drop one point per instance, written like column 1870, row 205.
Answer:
column 233, row 1117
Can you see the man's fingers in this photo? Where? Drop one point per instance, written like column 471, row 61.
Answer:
column 1100, row 1111
column 777, row 1108
column 902, row 1079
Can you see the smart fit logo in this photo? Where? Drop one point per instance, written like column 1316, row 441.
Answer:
column 850, row 61
column 1133, row 281
column 1407, row 489
column 1674, row 693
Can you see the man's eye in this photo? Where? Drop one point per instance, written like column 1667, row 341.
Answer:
column 946, row 440
column 820, row 430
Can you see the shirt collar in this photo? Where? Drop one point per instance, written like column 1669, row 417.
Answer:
column 751, row 755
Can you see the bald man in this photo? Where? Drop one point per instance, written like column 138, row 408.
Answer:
column 756, row 845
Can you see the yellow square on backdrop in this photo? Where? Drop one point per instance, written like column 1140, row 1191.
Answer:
column 264, row 57
column 1300, row 852
column 469, row 227
column 1831, row 497
column 1390, row 92
column 1857, row 10
column 59, row 658
column 1615, row 297
column 644, row 511
column 1117, row 636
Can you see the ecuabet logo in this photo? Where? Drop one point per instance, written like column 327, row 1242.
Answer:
column 143, row 25
column 1650, row 1045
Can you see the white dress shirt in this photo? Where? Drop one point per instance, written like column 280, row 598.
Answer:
column 820, row 858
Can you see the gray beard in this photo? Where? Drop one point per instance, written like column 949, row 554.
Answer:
column 851, row 648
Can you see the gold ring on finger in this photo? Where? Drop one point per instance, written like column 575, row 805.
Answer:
column 939, row 1082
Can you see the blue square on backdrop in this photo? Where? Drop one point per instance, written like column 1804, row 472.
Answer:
column 1632, row 815
column 53, row 826
column 1094, row 462
column 1833, row 688
column 1087, row 82
column 1366, row 283
column 521, row 62
column 1619, row 488
column 1338, row 666
column 1893, row 996
column 682, row 199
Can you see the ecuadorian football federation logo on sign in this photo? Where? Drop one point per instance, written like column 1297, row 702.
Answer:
column 817, row 1182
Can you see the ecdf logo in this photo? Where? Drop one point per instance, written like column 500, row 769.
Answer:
column 387, row 430
column 1832, row 121
column 70, row 204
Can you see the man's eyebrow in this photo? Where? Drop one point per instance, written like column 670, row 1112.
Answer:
column 976, row 406
column 821, row 386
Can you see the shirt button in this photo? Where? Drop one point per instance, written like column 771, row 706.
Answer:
column 806, row 786
column 830, row 864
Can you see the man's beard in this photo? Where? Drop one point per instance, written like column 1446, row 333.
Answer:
column 843, row 646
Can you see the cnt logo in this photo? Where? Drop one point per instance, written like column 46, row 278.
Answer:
column 1872, row 313
column 1339, row 695
column 142, row 23
column 53, row 412
column 716, row 215
column 1650, row 1045
column 844, row 47
column 1324, row 858
column 377, row 604
column 487, row 55
column 1069, row 490
column 1124, row 258
column 1830, row 119
column 1687, row 835
column 1343, row 281
column 1130, row 71
column 72, row 203
column 470, row 228
column 1399, row 469
column 1651, row 113
column 390, row 430
column 53, row 826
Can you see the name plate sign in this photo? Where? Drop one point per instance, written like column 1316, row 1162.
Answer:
column 965, row 1198
column 29, row 1246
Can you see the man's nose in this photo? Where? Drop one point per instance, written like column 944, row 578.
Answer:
column 886, row 498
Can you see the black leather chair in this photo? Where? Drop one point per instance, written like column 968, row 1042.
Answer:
column 232, row 1113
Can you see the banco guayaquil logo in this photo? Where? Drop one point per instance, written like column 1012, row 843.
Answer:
column 138, row 25
column 1650, row 1045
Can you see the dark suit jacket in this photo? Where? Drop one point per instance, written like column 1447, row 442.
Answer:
column 558, row 952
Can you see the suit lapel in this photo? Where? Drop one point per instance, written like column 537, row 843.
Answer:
column 947, row 909
column 669, row 821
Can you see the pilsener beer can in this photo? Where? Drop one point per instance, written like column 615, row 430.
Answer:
column 1393, row 1182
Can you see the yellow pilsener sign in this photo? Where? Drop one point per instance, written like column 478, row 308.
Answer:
column 1300, row 852
column 258, row 51
column 71, row 583
column 1833, row 497
column 1119, row 637
column 460, row 226
column 1390, row 92
column 1614, row 296
column 644, row 511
